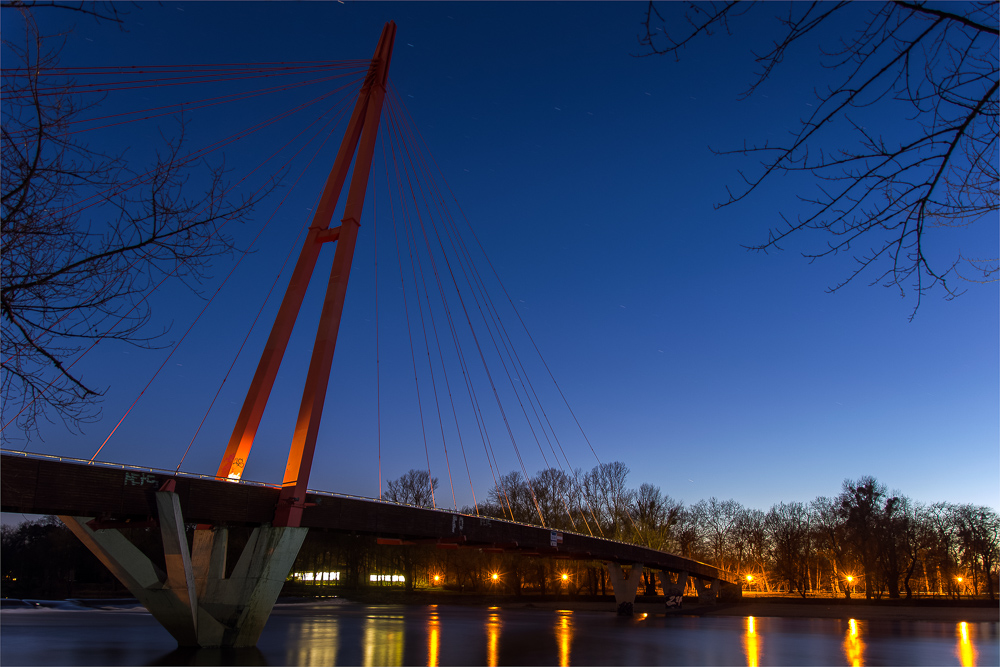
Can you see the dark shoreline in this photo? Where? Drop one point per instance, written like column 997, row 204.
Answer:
column 921, row 609
column 933, row 609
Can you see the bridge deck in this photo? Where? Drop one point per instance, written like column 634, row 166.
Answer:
column 51, row 485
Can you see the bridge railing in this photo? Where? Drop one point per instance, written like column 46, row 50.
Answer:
column 195, row 475
column 329, row 494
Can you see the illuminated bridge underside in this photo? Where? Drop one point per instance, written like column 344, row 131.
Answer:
column 116, row 496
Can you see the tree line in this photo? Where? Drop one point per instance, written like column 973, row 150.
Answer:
column 865, row 540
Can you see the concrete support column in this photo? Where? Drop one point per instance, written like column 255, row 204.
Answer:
column 730, row 592
column 176, row 555
column 673, row 589
column 208, row 557
column 140, row 576
column 623, row 587
column 193, row 600
column 708, row 590
column 243, row 602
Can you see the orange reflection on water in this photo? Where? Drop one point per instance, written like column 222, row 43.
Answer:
column 751, row 643
column 493, row 626
column 317, row 643
column 564, row 635
column 433, row 639
column 383, row 640
column 966, row 651
column 854, row 646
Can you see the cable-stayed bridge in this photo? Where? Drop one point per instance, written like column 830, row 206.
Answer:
column 195, row 598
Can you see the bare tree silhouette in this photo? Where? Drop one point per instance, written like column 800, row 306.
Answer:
column 878, row 197
column 85, row 233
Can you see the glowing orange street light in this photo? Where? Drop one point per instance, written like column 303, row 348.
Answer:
column 565, row 577
column 437, row 578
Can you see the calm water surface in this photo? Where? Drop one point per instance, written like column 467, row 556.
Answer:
column 337, row 633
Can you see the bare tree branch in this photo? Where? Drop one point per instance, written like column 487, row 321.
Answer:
column 85, row 235
column 934, row 72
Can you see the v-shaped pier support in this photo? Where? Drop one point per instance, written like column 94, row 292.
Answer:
column 193, row 599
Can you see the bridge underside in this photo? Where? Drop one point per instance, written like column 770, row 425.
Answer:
column 118, row 497
column 200, row 606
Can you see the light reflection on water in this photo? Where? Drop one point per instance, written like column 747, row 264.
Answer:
column 493, row 625
column 433, row 637
column 317, row 642
column 383, row 640
column 751, row 642
column 564, row 635
column 354, row 634
column 966, row 651
column 854, row 645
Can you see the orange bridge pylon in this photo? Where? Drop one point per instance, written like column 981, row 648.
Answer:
column 360, row 138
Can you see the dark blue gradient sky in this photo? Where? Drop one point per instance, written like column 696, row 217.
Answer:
column 587, row 174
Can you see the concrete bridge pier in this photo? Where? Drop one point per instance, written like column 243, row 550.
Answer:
column 673, row 588
column 193, row 599
column 623, row 587
column 711, row 591
column 708, row 591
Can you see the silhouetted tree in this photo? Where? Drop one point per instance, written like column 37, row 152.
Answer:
column 687, row 539
column 790, row 532
column 978, row 530
column 655, row 515
column 860, row 507
column 717, row 522
column 415, row 487
column 514, row 499
column 752, row 536
column 86, row 234
column 832, row 539
column 606, row 494
column 925, row 158
column 554, row 491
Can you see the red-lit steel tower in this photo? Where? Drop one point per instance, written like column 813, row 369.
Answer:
column 359, row 138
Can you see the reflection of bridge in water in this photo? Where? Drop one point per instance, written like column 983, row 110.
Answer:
column 200, row 600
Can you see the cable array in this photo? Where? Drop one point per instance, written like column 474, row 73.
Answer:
column 472, row 382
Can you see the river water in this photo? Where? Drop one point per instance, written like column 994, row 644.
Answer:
column 342, row 633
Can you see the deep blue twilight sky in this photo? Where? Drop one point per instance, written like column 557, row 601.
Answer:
column 587, row 175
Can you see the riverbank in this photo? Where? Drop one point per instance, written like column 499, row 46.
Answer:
column 975, row 612
column 945, row 610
